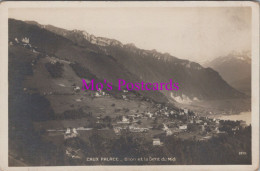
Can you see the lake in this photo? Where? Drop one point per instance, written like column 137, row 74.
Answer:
column 245, row 116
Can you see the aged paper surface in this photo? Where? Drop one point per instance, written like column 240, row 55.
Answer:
column 129, row 85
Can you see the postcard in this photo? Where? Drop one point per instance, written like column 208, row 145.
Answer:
column 129, row 85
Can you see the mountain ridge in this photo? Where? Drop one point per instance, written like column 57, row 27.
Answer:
column 117, row 61
column 235, row 68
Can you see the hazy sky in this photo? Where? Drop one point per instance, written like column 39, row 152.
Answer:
column 197, row 34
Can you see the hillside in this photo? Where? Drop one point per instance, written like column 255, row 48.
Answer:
column 101, row 65
column 196, row 82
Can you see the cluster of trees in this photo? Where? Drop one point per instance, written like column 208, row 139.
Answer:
column 227, row 125
column 82, row 72
column 218, row 150
column 72, row 114
column 223, row 149
column 105, row 122
column 55, row 69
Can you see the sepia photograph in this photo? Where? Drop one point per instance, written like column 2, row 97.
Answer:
column 130, row 84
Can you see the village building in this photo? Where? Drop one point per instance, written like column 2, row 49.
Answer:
column 165, row 127
column 217, row 130
column 124, row 121
column 198, row 121
column 166, row 114
column 181, row 113
column 156, row 142
column 236, row 128
column 99, row 93
column 133, row 128
column 243, row 124
column 34, row 51
column 117, row 130
column 202, row 128
column 124, row 97
column 168, row 132
column 183, row 127
column 76, row 88
column 149, row 114
column 25, row 40
column 16, row 40
column 70, row 133
column 53, row 61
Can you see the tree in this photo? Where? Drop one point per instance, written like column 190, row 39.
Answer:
column 139, row 122
column 96, row 142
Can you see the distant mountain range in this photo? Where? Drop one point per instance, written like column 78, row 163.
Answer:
column 234, row 68
column 111, row 60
